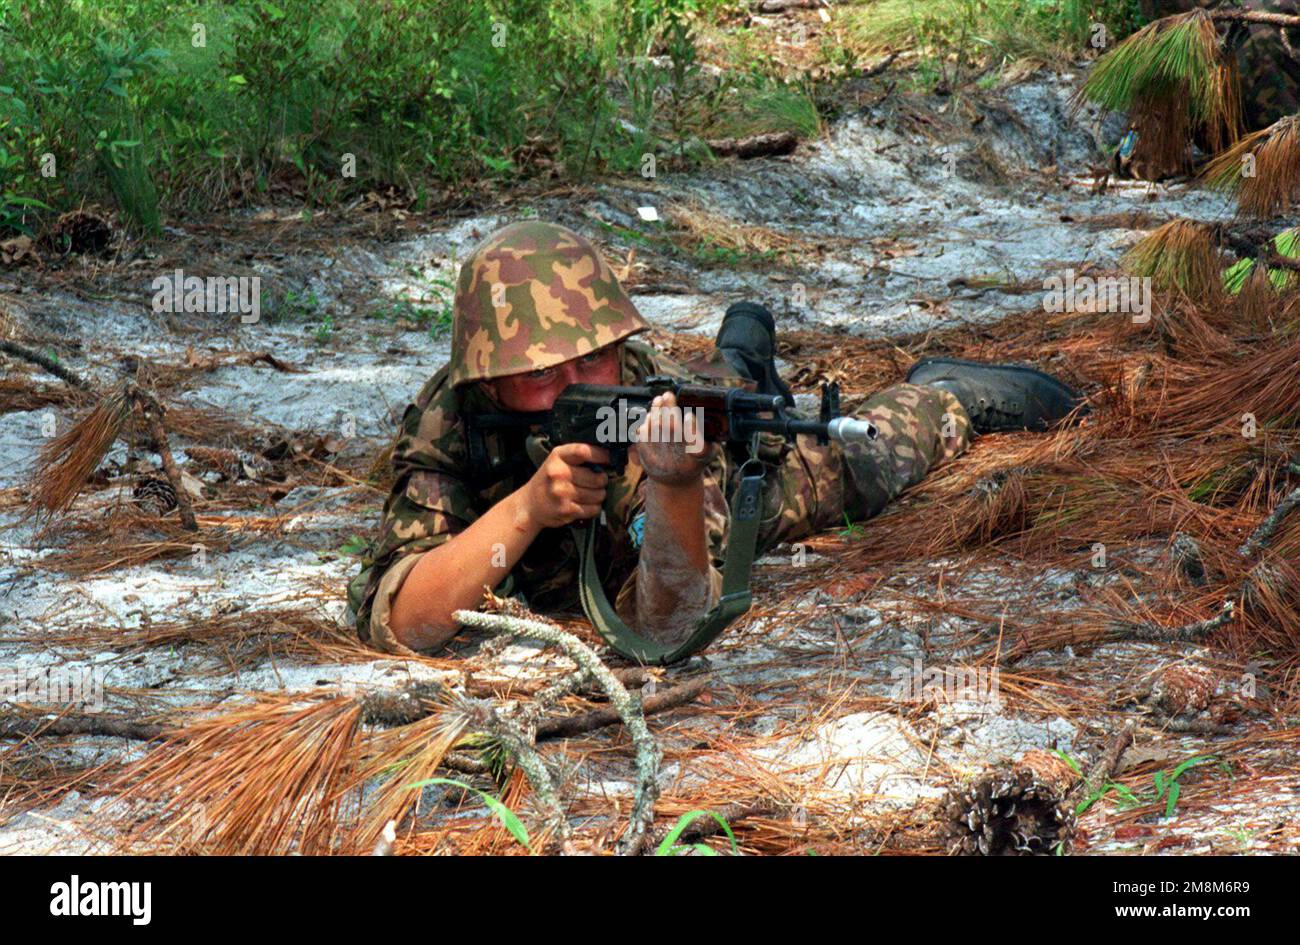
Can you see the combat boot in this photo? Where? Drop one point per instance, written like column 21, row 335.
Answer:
column 1000, row 397
column 747, row 340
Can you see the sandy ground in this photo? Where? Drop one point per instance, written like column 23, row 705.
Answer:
column 897, row 228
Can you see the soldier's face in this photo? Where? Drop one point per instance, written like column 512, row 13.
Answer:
column 537, row 390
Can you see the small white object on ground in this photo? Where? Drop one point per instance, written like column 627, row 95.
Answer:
column 384, row 845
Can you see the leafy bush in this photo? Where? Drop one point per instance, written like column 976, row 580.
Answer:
column 162, row 108
column 211, row 104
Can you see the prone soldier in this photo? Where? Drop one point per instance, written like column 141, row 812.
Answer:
column 537, row 309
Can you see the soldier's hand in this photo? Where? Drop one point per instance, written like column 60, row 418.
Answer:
column 670, row 443
column 563, row 489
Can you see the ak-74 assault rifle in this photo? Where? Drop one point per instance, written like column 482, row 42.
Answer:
column 608, row 416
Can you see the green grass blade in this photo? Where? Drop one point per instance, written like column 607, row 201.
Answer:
column 507, row 817
column 669, row 845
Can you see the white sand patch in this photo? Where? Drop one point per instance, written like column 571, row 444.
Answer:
column 868, row 757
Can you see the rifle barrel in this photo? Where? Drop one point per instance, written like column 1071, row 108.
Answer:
column 840, row 429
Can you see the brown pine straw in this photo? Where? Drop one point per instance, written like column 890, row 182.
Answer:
column 66, row 462
column 266, row 778
column 1274, row 185
column 1164, row 148
column 1180, row 256
column 1159, row 456
column 239, row 640
column 30, row 778
column 124, row 537
column 97, row 540
column 20, row 393
column 478, row 836
column 398, row 758
column 1258, row 301
column 1200, row 399
column 1166, row 427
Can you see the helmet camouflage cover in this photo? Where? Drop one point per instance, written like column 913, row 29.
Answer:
column 533, row 295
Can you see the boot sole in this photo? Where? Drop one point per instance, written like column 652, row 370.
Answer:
column 771, row 380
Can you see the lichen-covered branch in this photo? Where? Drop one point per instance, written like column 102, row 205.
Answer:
column 1261, row 535
column 1188, row 633
column 482, row 716
column 627, row 706
column 43, row 361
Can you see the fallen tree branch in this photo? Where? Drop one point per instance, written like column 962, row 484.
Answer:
column 632, row 677
column 1254, row 245
column 152, row 411
column 627, row 706
column 1264, row 531
column 1104, row 769
column 108, row 725
column 780, row 6
column 879, row 67
column 518, row 742
column 600, row 718
column 1255, row 16
column 1188, row 633
column 43, row 361
column 388, row 709
column 763, row 145
column 1198, row 727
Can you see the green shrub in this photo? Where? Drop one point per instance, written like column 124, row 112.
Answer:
column 159, row 108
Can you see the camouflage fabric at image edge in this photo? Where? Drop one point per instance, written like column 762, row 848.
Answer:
column 555, row 301
column 1270, row 77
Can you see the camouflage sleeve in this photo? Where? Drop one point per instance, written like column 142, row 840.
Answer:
column 430, row 502
column 419, row 515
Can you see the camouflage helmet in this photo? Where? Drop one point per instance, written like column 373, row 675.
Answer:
column 533, row 295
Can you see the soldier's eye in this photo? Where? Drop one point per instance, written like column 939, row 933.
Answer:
column 542, row 374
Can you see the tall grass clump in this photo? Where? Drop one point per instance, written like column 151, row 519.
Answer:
column 958, row 40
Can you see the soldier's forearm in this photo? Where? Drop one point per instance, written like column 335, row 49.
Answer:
column 452, row 576
column 672, row 590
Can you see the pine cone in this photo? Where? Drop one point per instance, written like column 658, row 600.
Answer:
column 154, row 495
column 1183, row 689
column 1186, row 556
column 80, row 231
column 1007, row 814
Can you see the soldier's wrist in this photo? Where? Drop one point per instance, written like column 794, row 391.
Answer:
column 522, row 516
column 677, row 487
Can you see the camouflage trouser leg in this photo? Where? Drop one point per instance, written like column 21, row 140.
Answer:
column 1270, row 78
column 815, row 487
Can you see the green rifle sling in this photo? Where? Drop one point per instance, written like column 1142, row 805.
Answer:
column 735, row 599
